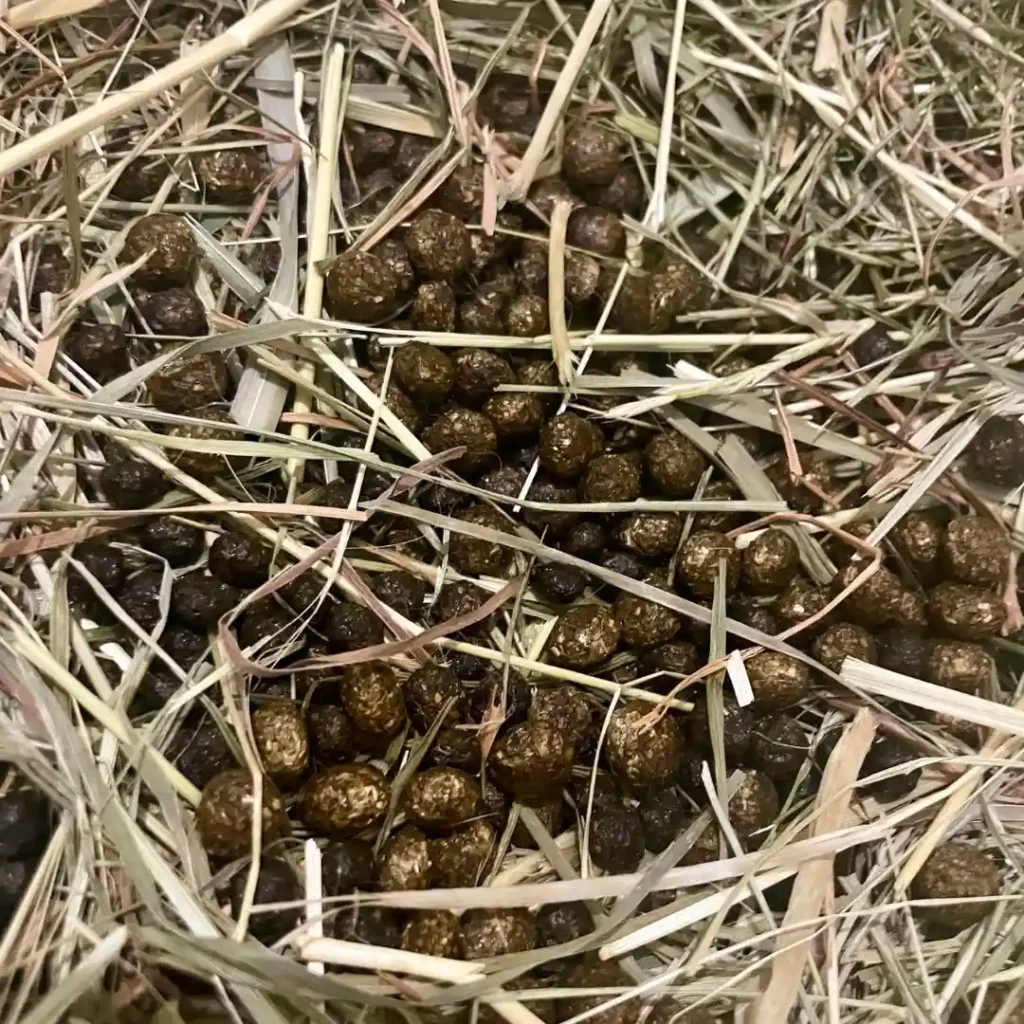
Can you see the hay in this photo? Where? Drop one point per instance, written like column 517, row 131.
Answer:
column 824, row 167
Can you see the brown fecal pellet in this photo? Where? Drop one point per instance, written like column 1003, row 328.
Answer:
column 585, row 539
column 347, row 865
column 664, row 816
column 372, row 696
column 499, row 289
column 754, row 806
column 551, row 492
column 405, row 862
column 370, row 148
column 876, row 598
column 479, row 316
column 564, row 708
column 433, row 309
column 719, row 490
column 199, row 601
column 230, row 175
column 488, row 932
column 478, row 373
column 634, row 310
column 677, row 288
column 590, row 155
column 344, row 799
column 205, row 465
column 651, row 534
column 977, row 551
column 886, row 753
column 508, row 480
column 800, row 601
column 433, row 933
column 596, row 230
column 966, row 612
column 485, row 252
column 551, row 814
column 172, row 539
column 737, row 728
column 996, row 453
column 282, row 742
column 276, row 882
column 526, row 316
column 612, row 478
column 438, row 245
column 643, row 754
column 239, row 559
column 583, row 637
column 918, row 537
column 412, row 151
column 545, row 193
column 778, row 748
column 426, row 692
column 399, row 590
column 960, row 665
column 705, row 849
column 175, row 253
column 99, row 349
column 644, row 623
column 225, row 813
column 397, row 401
column 563, row 922
column 185, row 385
column 674, row 464
column 458, row 599
column 567, row 445
column 441, row 798
column 598, row 975
column 778, row 678
column 462, row 194
column 560, row 584
column 457, row 427
column 330, row 734
column 141, row 179
column 360, row 287
column 532, row 762
column 959, row 873
column 531, row 269
column 461, row 858
column 624, row 193
column 582, row 274
column 678, row 658
column 394, row 254
column 699, row 558
column 538, row 373
column 912, row 610
column 770, row 562
column 515, row 415
column 796, row 492
column 175, row 313
column 481, row 557
column 456, row 747
column 844, row 640
column 350, row 626
column 52, row 272
column 616, row 840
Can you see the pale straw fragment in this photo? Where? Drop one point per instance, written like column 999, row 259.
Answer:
column 814, row 879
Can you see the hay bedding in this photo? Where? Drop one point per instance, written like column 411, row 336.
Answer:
column 649, row 650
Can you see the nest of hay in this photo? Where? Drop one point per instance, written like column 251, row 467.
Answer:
column 610, row 412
